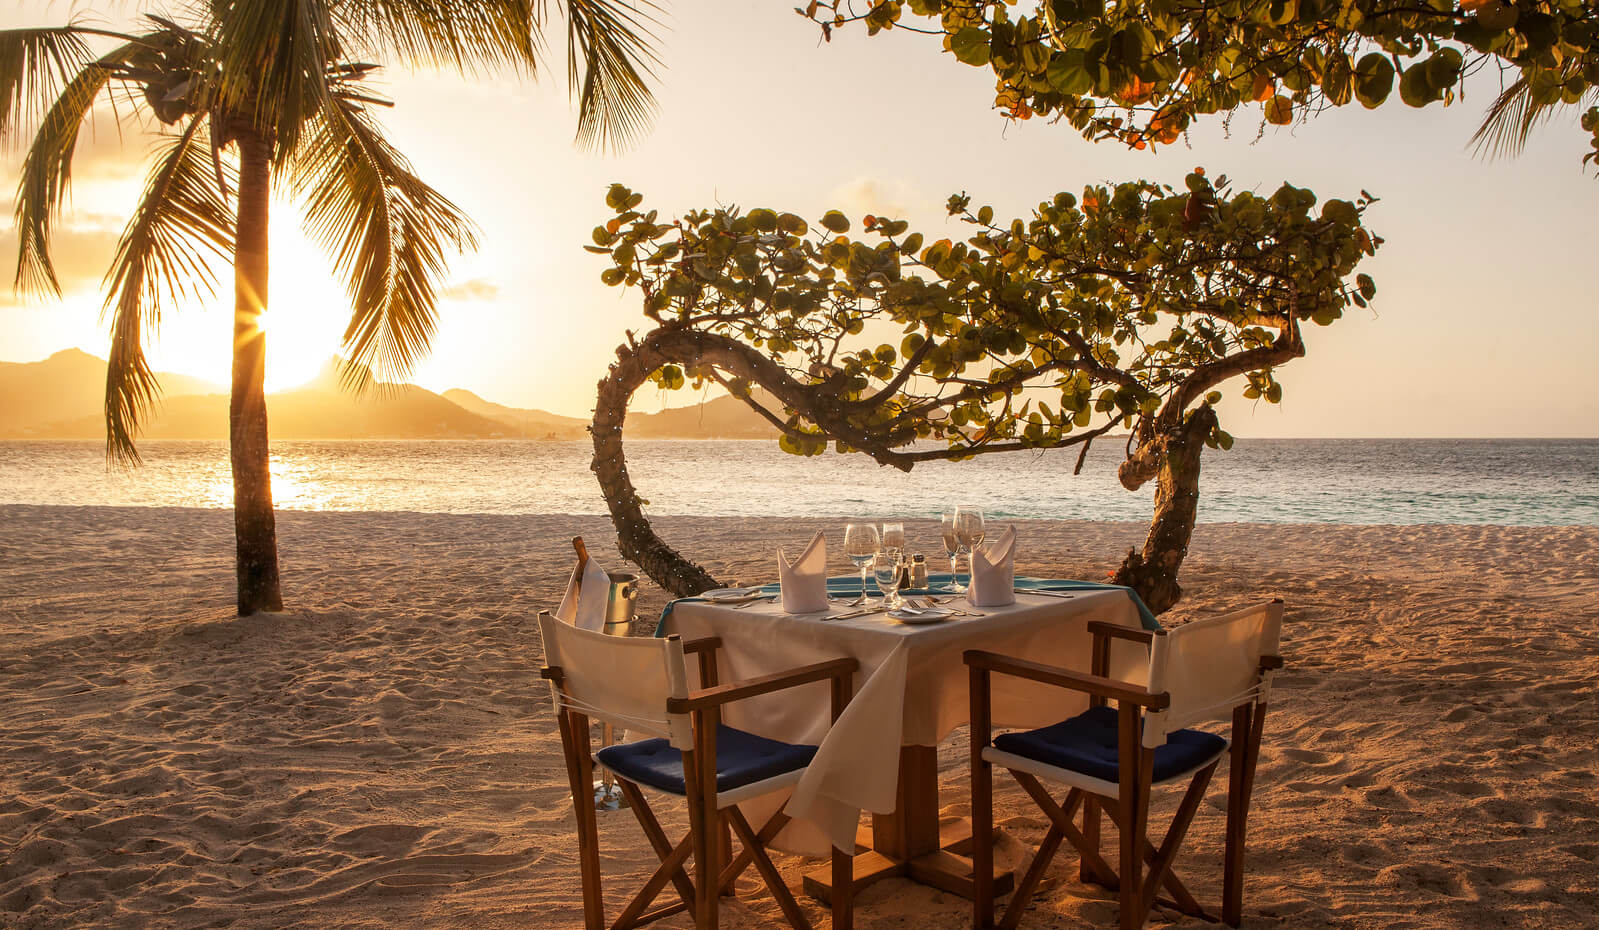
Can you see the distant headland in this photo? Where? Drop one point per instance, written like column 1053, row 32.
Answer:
column 62, row 397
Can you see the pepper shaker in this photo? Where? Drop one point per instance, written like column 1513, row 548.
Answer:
column 918, row 571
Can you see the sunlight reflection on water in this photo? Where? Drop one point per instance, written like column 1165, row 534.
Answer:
column 1538, row 482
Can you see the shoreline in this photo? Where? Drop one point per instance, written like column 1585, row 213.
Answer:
column 839, row 519
column 382, row 754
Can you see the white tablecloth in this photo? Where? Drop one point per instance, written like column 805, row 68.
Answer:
column 911, row 688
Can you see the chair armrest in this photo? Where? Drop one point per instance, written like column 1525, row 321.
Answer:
column 704, row 644
column 552, row 673
column 1097, row 685
column 766, row 684
column 1117, row 631
column 1272, row 662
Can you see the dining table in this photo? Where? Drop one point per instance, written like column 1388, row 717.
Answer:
column 910, row 693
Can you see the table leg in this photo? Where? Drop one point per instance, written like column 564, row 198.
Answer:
column 907, row 842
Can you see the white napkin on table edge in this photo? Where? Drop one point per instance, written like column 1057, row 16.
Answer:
column 803, row 582
column 994, row 572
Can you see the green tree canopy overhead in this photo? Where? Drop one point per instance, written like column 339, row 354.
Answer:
column 1142, row 71
column 246, row 95
column 1125, row 307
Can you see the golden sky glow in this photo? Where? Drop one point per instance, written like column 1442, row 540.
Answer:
column 1484, row 323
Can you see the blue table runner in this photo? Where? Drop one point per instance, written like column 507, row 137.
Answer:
column 850, row 586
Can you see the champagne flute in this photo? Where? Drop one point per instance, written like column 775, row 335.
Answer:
column 885, row 571
column 894, row 538
column 969, row 530
column 952, row 548
column 860, row 544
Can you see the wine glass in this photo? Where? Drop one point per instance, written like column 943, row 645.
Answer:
column 860, row 544
column 952, row 548
column 885, row 571
column 894, row 538
column 968, row 530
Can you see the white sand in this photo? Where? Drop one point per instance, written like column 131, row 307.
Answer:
column 383, row 754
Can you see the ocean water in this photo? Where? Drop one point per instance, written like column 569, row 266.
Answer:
column 1512, row 482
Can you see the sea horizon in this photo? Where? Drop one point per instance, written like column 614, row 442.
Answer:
column 1469, row 481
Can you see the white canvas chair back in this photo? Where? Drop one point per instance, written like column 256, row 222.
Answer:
column 621, row 680
column 1211, row 666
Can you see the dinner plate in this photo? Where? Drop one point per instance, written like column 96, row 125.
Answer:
column 731, row 595
column 922, row 615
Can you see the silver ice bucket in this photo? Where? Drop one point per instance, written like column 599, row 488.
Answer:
column 619, row 610
column 620, row 604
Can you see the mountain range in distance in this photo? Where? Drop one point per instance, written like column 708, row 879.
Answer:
column 63, row 397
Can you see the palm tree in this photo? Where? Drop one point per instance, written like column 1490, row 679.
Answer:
column 256, row 95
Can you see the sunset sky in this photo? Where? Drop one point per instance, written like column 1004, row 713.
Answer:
column 1484, row 325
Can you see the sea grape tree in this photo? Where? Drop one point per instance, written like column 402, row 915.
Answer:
column 1125, row 308
column 1143, row 71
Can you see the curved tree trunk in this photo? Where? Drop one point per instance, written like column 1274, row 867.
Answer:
column 634, row 535
column 254, row 526
column 1172, row 457
column 1173, row 460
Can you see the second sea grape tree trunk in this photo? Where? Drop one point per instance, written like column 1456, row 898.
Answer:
column 1173, row 460
column 254, row 524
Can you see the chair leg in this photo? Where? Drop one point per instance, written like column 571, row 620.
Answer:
column 1160, row 865
column 580, row 772
column 1134, row 778
column 1248, row 722
column 1035, row 874
column 659, row 842
column 671, row 865
column 763, row 864
column 982, row 843
column 1086, row 873
column 734, row 866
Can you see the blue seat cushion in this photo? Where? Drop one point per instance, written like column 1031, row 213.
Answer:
column 1087, row 743
column 741, row 759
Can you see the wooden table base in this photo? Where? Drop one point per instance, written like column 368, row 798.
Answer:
column 907, row 843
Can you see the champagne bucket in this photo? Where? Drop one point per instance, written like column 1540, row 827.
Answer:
column 619, row 607
column 619, row 610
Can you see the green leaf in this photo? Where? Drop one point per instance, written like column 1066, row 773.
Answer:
column 970, row 45
column 1374, row 80
column 835, row 222
column 1279, row 111
column 1068, row 73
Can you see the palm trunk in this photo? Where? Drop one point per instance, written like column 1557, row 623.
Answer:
column 254, row 527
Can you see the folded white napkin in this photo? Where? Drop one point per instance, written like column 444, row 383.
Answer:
column 994, row 572
column 585, row 608
column 803, row 581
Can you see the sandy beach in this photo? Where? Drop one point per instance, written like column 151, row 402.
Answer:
column 382, row 755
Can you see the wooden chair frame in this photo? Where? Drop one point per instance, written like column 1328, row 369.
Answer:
column 709, row 839
column 1137, row 888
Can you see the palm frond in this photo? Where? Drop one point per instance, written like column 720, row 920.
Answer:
column 33, row 63
column 1510, row 121
column 47, row 171
column 387, row 231
column 460, row 34
column 612, row 43
column 182, row 221
column 273, row 57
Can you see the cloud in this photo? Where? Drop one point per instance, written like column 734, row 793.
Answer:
column 474, row 289
column 894, row 199
column 81, row 255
